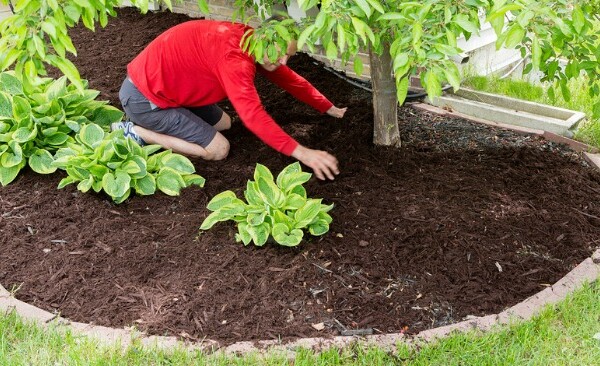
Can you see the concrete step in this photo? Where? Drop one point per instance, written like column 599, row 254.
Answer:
column 501, row 109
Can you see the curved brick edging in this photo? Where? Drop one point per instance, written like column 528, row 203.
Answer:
column 586, row 271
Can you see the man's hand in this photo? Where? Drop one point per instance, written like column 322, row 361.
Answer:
column 321, row 162
column 336, row 112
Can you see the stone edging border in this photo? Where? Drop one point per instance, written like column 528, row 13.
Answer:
column 586, row 271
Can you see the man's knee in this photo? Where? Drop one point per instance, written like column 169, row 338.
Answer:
column 224, row 123
column 218, row 149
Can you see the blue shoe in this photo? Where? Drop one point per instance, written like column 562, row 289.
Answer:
column 127, row 127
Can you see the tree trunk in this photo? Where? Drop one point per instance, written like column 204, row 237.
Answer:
column 385, row 104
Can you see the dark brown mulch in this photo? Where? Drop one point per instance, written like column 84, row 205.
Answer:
column 462, row 220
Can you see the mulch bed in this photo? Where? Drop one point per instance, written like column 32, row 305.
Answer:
column 463, row 219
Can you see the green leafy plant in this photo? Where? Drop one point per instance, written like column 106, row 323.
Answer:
column 115, row 164
column 37, row 120
column 277, row 207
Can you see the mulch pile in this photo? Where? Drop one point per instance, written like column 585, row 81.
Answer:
column 464, row 219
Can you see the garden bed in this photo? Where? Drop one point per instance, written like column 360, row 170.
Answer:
column 464, row 219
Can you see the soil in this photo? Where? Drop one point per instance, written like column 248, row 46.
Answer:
column 463, row 219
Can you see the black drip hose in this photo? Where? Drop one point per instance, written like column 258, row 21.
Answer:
column 412, row 94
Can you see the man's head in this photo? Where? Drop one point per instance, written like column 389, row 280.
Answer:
column 292, row 48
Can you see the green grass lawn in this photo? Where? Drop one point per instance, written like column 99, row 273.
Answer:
column 566, row 334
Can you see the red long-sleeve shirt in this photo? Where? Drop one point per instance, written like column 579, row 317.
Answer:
column 200, row 62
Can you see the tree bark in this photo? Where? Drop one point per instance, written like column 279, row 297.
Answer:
column 385, row 104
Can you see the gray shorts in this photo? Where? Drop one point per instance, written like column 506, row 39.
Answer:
column 190, row 124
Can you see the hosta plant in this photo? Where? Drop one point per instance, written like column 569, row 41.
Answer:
column 118, row 165
column 35, row 121
column 277, row 207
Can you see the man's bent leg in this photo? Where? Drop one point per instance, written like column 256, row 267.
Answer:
column 224, row 123
column 214, row 116
column 187, row 131
column 217, row 149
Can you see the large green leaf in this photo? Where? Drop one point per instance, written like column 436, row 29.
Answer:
column 251, row 194
column 57, row 88
column 10, row 84
column 307, row 213
column 213, row 218
column 117, row 184
column 91, row 135
column 78, row 173
column 66, row 181
column 193, row 179
column 179, row 163
column 243, row 235
column 259, row 233
column 262, row 171
column 270, row 192
column 21, row 108
column 5, row 105
column 292, row 180
column 12, row 157
column 8, row 174
column 105, row 115
column 318, row 228
column 141, row 164
column 57, row 139
column 284, row 236
column 24, row 134
column 98, row 171
column 151, row 149
column 86, row 184
column 299, row 190
column 146, row 185
column 41, row 162
column 222, row 199
column 255, row 219
column 169, row 181
column 131, row 167
column 294, row 201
